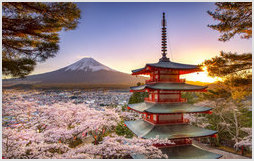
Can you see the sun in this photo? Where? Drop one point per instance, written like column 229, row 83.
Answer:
column 201, row 77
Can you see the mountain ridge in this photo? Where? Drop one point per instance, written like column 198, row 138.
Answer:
column 84, row 71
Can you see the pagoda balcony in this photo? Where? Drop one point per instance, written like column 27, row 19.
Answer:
column 166, row 81
column 160, row 122
column 177, row 142
column 166, row 100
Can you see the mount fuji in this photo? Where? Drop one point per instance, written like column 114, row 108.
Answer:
column 88, row 65
column 84, row 71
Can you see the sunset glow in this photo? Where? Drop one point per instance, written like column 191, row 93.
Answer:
column 201, row 77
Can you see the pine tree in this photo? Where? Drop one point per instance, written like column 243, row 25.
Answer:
column 30, row 33
column 236, row 68
column 235, row 18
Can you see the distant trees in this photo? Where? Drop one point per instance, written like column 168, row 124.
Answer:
column 30, row 33
column 235, row 18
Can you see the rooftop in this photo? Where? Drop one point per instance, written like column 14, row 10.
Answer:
column 184, row 152
column 177, row 131
column 168, row 108
column 169, row 86
column 184, row 68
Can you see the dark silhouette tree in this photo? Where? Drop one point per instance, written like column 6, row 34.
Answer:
column 30, row 33
column 235, row 18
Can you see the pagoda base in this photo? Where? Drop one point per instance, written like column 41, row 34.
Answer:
column 184, row 152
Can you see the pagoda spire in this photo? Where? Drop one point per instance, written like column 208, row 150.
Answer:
column 164, row 41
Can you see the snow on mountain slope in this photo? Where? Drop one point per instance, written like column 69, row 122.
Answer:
column 87, row 64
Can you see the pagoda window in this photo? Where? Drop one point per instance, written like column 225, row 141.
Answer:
column 156, row 77
column 169, row 78
column 168, row 97
column 150, row 96
column 169, row 72
column 154, row 117
column 169, row 92
column 156, row 96
column 170, row 118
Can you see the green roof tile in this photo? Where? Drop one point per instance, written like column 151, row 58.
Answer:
column 184, row 152
column 168, row 86
column 137, row 70
column 169, row 65
column 172, row 65
column 167, row 108
column 176, row 131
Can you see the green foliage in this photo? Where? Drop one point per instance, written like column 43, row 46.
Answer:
column 191, row 97
column 245, row 117
column 122, row 130
column 124, row 108
column 218, row 90
column 19, row 67
column 75, row 143
column 234, row 18
column 231, row 64
column 30, row 33
column 137, row 97
column 236, row 73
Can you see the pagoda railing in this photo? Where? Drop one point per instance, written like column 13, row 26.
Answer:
column 167, row 100
column 160, row 122
column 186, row 141
column 184, row 121
column 166, row 81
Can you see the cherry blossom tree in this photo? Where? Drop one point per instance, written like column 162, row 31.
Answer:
column 50, row 131
column 225, row 118
column 246, row 141
column 61, row 123
column 118, row 147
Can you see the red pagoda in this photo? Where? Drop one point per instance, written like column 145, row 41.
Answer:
column 163, row 110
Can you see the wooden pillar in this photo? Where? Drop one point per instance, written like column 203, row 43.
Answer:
column 159, row 76
column 158, row 93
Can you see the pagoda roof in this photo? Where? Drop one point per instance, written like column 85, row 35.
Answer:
column 168, row 86
column 167, row 108
column 184, row 152
column 168, row 65
column 176, row 131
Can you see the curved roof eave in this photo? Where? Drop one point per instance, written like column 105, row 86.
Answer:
column 167, row 108
column 169, row 86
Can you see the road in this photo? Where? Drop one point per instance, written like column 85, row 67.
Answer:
column 226, row 155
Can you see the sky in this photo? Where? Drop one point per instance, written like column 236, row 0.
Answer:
column 125, row 36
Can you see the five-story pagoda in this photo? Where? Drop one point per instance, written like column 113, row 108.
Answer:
column 164, row 108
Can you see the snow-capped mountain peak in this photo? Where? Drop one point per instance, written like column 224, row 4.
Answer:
column 87, row 64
